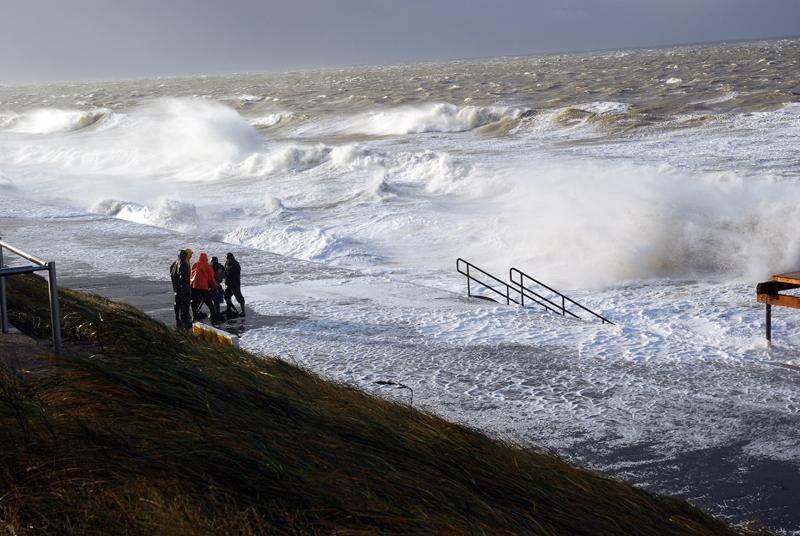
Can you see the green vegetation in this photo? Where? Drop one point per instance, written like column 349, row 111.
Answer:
column 142, row 430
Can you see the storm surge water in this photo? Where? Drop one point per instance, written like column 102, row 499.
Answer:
column 590, row 170
column 656, row 186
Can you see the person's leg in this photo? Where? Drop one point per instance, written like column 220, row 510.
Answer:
column 239, row 298
column 196, row 303
column 212, row 298
column 185, row 315
column 211, row 307
column 177, row 306
column 229, row 308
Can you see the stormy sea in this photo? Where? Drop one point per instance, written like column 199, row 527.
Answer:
column 655, row 186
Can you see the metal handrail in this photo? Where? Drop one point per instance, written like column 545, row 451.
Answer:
column 525, row 292
column 508, row 287
column 50, row 267
column 521, row 288
column 488, row 286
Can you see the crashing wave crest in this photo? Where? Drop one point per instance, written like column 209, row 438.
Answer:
column 434, row 117
column 52, row 120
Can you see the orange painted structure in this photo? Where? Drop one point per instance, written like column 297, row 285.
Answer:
column 769, row 293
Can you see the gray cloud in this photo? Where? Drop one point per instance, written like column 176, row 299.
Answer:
column 94, row 39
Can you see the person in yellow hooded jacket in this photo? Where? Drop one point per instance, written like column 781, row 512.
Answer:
column 202, row 281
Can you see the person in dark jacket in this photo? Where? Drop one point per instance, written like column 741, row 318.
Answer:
column 219, row 274
column 233, row 286
column 180, row 274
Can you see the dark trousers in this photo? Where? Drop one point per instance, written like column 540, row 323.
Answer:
column 200, row 298
column 233, row 290
column 182, row 304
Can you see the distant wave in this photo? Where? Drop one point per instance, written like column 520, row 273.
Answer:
column 251, row 98
column 270, row 120
column 603, row 107
column 51, row 120
column 184, row 139
column 432, row 117
column 169, row 213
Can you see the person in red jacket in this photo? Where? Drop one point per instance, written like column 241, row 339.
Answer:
column 202, row 281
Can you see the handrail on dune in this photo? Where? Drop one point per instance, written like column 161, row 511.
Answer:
column 38, row 266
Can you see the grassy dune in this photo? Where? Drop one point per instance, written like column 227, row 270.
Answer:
column 141, row 430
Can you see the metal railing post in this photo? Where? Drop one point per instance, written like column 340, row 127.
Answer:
column 55, row 313
column 3, row 304
column 768, row 323
column 469, row 293
column 563, row 307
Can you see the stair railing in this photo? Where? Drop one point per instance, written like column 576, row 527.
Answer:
column 520, row 278
column 467, row 269
column 38, row 266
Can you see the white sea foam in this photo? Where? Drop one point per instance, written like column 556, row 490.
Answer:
column 293, row 240
column 7, row 119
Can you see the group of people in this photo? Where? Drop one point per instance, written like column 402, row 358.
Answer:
column 200, row 284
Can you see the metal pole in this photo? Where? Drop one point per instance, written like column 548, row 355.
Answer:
column 55, row 313
column 24, row 255
column 769, row 323
column 3, row 305
column 469, row 294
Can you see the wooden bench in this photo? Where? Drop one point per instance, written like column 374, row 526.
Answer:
column 769, row 293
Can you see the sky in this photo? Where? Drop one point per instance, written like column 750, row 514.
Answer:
column 50, row 40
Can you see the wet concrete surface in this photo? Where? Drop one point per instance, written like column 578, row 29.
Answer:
column 21, row 353
column 156, row 299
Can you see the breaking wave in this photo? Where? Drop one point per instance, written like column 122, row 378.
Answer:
column 435, row 117
column 598, row 224
column 270, row 120
column 168, row 213
column 181, row 139
column 51, row 120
